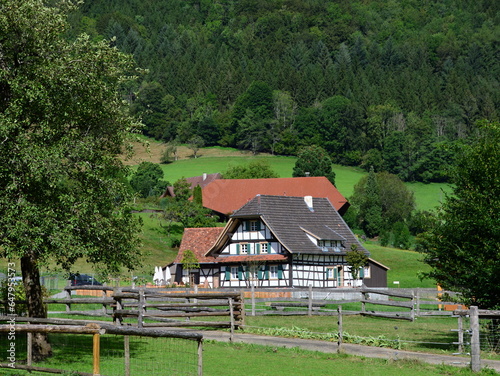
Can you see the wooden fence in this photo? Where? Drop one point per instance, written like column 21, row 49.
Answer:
column 36, row 325
column 165, row 304
column 411, row 303
column 155, row 307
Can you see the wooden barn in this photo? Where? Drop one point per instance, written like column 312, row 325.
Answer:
column 277, row 241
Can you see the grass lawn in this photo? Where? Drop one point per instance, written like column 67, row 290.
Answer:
column 256, row 360
column 405, row 266
column 425, row 334
column 153, row 356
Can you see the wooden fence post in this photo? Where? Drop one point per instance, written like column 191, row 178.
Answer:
column 30, row 348
column 460, row 334
column 475, row 345
column 118, row 306
column 242, row 308
column 140, row 308
column 412, row 309
column 310, row 303
column 231, row 314
column 253, row 298
column 417, row 303
column 340, row 329
column 200, row 357
column 364, row 297
column 96, row 354
column 104, row 296
column 126, row 345
column 68, row 296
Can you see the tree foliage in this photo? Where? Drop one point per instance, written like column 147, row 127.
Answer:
column 381, row 200
column 258, row 169
column 356, row 259
column 62, row 125
column 147, row 180
column 463, row 247
column 370, row 206
column 189, row 213
column 402, row 78
column 314, row 161
column 189, row 263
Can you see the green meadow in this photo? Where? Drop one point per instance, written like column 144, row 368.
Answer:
column 428, row 196
column 153, row 357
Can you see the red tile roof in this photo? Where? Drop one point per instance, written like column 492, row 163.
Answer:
column 227, row 195
column 199, row 240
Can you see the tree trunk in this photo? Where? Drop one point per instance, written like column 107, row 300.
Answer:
column 34, row 297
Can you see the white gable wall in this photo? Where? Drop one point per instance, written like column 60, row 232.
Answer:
column 252, row 241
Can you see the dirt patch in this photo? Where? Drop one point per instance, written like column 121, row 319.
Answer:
column 152, row 151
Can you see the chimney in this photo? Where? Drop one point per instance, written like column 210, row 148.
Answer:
column 309, row 202
column 204, row 176
column 307, row 174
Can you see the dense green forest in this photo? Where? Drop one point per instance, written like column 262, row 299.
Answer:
column 392, row 84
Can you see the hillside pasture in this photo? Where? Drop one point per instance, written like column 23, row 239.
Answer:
column 218, row 159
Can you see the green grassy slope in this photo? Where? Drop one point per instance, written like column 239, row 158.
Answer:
column 405, row 266
column 427, row 196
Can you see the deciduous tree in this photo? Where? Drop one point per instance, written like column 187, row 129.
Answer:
column 147, row 180
column 62, row 126
column 463, row 248
column 189, row 263
column 356, row 259
column 314, row 161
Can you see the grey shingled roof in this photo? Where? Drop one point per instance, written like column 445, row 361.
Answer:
column 289, row 218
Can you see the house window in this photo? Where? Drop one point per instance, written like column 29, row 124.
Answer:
column 264, row 247
column 234, row 272
column 254, row 225
column 273, row 272
column 329, row 273
column 244, row 248
column 365, row 272
column 332, row 272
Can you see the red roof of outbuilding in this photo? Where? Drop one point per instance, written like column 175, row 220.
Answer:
column 199, row 240
column 227, row 195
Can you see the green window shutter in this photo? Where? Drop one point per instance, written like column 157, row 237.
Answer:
column 257, row 248
column 258, row 225
column 361, row 273
column 267, row 272
column 260, row 274
column 240, row 273
column 228, row 273
column 280, row 271
column 268, row 247
column 246, row 225
column 336, row 273
column 237, row 249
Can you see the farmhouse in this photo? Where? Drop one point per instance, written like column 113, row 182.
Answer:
column 277, row 241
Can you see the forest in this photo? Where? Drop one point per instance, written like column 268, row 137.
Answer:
column 389, row 84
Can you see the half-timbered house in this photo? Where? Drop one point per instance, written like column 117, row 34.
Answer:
column 278, row 241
